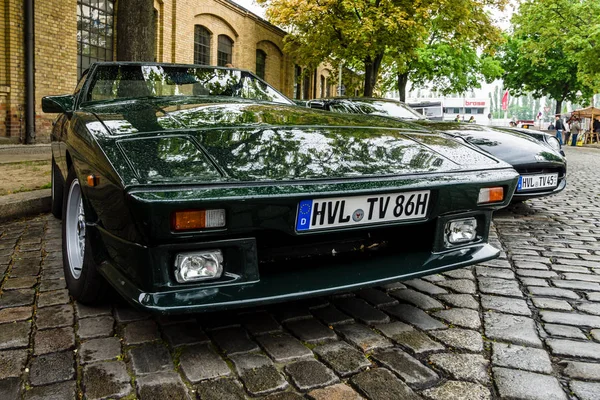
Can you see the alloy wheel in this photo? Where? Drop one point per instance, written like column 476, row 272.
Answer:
column 75, row 229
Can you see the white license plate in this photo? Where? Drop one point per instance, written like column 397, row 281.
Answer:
column 542, row 181
column 361, row 210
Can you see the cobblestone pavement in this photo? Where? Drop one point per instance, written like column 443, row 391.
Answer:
column 525, row 326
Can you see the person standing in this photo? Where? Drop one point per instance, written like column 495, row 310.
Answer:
column 457, row 119
column 560, row 127
column 575, row 128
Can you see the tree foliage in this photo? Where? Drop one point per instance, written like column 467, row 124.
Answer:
column 366, row 31
column 350, row 30
column 450, row 68
column 553, row 51
column 455, row 55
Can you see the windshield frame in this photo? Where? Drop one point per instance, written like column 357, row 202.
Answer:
column 84, row 93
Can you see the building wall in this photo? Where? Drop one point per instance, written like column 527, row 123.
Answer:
column 247, row 31
column 55, row 55
column 464, row 107
column 56, row 51
column 12, row 70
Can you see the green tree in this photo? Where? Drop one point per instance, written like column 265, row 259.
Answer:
column 549, row 54
column 363, row 32
column 577, row 23
column 554, row 75
column 448, row 68
column 356, row 31
column 455, row 55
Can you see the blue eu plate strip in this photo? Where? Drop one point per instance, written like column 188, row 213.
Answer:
column 520, row 184
column 304, row 213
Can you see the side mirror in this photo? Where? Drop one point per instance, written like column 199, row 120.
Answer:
column 317, row 104
column 58, row 104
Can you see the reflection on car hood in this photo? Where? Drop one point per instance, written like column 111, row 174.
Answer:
column 295, row 153
column 513, row 147
column 163, row 114
column 259, row 142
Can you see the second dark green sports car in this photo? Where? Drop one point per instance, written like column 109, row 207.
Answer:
column 190, row 188
column 542, row 167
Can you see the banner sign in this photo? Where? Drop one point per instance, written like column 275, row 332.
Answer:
column 505, row 101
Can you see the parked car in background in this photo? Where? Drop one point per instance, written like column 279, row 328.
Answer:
column 542, row 169
column 525, row 124
column 301, row 103
column 191, row 188
column 546, row 138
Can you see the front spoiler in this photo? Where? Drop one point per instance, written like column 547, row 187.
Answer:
column 294, row 285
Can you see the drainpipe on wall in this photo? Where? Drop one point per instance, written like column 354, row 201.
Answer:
column 29, row 75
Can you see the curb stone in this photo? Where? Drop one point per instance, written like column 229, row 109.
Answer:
column 19, row 205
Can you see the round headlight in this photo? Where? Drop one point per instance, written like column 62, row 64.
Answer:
column 553, row 142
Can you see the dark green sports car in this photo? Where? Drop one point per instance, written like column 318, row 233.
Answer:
column 191, row 188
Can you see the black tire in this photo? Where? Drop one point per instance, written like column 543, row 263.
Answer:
column 57, row 190
column 89, row 287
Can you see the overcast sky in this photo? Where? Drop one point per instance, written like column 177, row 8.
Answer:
column 252, row 6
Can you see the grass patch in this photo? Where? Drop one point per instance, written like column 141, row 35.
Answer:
column 24, row 176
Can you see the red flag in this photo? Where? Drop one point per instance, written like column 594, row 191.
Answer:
column 505, row 101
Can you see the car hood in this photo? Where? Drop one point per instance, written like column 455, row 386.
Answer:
column 513, row 147
column 249, row 142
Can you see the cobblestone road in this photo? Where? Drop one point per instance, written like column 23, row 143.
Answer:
column 525, row 326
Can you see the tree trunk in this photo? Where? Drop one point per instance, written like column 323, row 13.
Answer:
column 558, row 107
column 402, row 82
column 135, row 30
column 371, row 74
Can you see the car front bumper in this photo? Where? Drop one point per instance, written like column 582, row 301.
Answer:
column 299, row 284
column 246, row 284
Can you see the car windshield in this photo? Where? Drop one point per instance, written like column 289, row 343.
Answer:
column 116, row 82
column 383, row 108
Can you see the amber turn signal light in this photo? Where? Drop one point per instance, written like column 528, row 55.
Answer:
column 93, row 180
column 197, row 219
column 491, row 195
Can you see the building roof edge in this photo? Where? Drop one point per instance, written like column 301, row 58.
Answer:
column 257, row 17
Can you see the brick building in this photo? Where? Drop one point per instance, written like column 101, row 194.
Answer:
column 69, row 35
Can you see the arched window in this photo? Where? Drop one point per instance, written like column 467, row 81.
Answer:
column 224, row 50
column 261, row 63
column 94, row 32
column 201, row 45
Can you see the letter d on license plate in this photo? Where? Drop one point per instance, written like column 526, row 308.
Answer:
column 361, row 210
